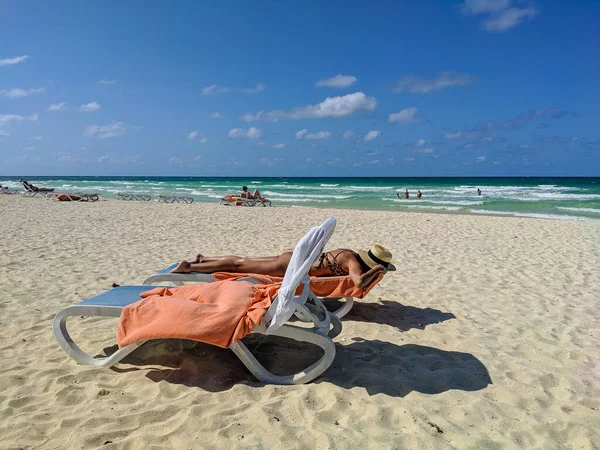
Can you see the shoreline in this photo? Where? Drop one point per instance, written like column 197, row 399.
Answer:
column 423, row 210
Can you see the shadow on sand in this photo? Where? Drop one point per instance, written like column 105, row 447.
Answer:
column 392, row 313
column 376, row 366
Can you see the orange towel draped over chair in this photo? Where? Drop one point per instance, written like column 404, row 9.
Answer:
column 328, row 287
column 216, row 313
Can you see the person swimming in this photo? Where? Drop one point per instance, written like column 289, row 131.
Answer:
column 361, row 265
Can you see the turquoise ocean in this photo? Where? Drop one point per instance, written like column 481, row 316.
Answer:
column 557, row 198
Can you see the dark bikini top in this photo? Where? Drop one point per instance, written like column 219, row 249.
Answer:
column 334, row 267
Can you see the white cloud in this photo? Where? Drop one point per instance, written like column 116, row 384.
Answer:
column 339, row 81
column 194, row 134
column 372, row 135
column 456, row 135
column 35, row 138
column 409, row 159
column 341, row 106
column 250, row 133
column 90, row 107
column 480, row 159
column 56, row 106
column 425, row 150
column 11, row 61
column 6, row 118
column 419, row 85
column 278, row 146
column 259, row 88
column 216, row 115
column 300, row 134
column 267, row 161
column 105, row 81
column 509, row 19
column 28, row 148
column 405, row 116
column 20, row 93
column 501, row 16
column 349, row 134
column 304, row 134
column 105, row 131
column 420, row 143
column 4, row 133
column 214, row 89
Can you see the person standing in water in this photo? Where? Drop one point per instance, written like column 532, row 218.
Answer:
column 419, row 195
column 406, row 195
column 478, row 191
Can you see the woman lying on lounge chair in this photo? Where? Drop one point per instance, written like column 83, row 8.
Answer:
column 362, row 265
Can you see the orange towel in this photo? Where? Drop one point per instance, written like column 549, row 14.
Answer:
column 329, row 287
column 216, row 313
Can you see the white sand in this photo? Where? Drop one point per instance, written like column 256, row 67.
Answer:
column 487, row 337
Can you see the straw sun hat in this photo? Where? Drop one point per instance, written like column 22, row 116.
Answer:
column 377, row 254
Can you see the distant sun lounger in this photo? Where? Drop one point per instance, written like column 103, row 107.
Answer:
column 229, row 200
column 133, row 197
column 174, row 199
column 214, row 315
column 72, row 197
column 7, row 191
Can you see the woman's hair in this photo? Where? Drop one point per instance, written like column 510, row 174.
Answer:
column 244, row 188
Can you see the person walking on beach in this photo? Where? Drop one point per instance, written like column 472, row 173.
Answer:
column 406, row 194
column 361, row 265
column 419, row 195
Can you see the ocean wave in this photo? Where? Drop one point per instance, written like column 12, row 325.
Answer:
column 533, row 215
column 328, row 185
column 281, row 194
column 590, row 210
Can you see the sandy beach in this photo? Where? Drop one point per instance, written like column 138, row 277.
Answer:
column 486, row 337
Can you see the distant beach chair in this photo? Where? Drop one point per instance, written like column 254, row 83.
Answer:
column 72, row 197
column 33, row 191
column 285, row 305
column 174, row 199
column 228, row 200
column 5, row 190
column 133, row 197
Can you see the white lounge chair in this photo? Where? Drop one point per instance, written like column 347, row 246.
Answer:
column 5, row 190
column 229, row 200
column 174, row 199
column 284, row 306
column 133, row 197
column 72, row 197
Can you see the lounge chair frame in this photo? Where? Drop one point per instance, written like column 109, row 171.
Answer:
column 133, row 197
column 174, row 199
column 111, row 303
column 244, row 201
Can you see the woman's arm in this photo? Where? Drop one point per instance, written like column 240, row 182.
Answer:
column 363, row 279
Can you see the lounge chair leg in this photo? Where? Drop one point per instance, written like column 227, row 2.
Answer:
column 66, row 342
column 345, row 309
column 298, row 334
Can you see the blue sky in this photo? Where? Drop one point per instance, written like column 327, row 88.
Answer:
column 304, row 88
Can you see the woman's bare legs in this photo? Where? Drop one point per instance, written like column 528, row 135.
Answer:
column 270, row 265
column 256, row 194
